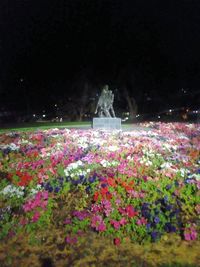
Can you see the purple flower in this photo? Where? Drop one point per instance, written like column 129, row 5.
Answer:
column 165, row 199
column 81, row 215
column 169, row 228
column 168, row 187
column 71, row 240
column 87, row 190
column 168, row 207
column 57, row 189
column 92, row 179
column 148, row 226
column 156, row 220
column 154, row 235
column 67, row 221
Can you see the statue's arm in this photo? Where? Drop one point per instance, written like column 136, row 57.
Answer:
column 97, row 107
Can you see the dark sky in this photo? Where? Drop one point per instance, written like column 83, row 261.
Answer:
column 145, row 45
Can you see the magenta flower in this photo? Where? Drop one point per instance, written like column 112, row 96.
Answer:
column 101, row 227
column 67, row 221
column 71, row 240
column 36, row 216
column 190, row 233
column 98, row 223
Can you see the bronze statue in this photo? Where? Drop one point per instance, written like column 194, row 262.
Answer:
column 105, row 103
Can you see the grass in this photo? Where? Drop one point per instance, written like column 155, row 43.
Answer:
column 32, row 126
column 29, row 126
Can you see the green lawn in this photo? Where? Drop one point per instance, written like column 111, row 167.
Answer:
column 29, row 126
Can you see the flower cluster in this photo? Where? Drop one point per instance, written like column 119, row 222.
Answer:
column 136, row 184
column 13, row 191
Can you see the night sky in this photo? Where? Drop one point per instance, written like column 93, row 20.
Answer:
column 46, row 47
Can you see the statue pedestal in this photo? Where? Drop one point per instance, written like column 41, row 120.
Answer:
column 106, row 123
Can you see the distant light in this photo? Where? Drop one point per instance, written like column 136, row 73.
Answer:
column 158, row 117
column 34, row 115
column 137, row 115
column 170, row 110
column 56, row 105
column 21, row 80
column 43, row 115
column 125, row 119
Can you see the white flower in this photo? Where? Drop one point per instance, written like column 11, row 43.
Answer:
column 196, row 176
column 104, row 163
column 35, row 190
column 114, row 163
column 11, row 191
column 183, row 172
column 113, row 148
column 166, row 165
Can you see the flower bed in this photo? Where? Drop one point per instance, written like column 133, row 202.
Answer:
column 139, row 186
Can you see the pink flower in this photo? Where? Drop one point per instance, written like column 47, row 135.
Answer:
column 141, row 221
column 43, row 204
column 118, row 201
column 115, row 224
column 123, row 221
column 26, row 207
column 122, row 211
column 96, row 220
column 187, row 236
column 45, row 195
column 193, row 235
column 197, row 208
column 23, row 221
column 98, row 223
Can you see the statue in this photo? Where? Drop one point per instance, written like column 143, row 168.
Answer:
column 105, row 103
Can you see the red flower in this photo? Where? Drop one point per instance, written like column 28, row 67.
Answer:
column 130, row 211
column 104, row 191
column 111, row 182
column 96, row 196
column 117, row 241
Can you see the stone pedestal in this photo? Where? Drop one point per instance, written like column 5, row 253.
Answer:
column 107, row 123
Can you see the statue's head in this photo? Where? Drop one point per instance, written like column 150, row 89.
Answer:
column 106, row 87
